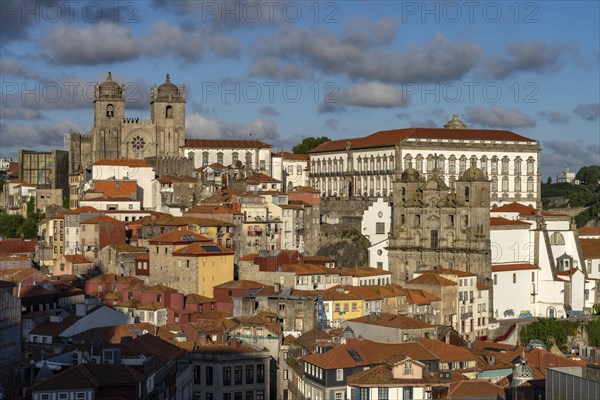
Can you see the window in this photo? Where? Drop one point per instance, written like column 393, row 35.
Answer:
column 62, row 396
column 299, row 170
column 260, row 373
column 530, row 184
column 505, row 166
column 383, row 393
column 281, row 307
column 249, row 395
column 339, row 374
column 467, row 195
column 434, row 239
column 249, row 374
column 380, row 228
column 226, row 396
column 110, row 111
column 290, row 170
column 364, row 394
column 557, row 239
column 495, row 279
column 262, row 164
column 209, row 396
column 209, row 376
column 260, row 395
column 237, row 396
column 226, row 375
column 205, row 158
column 285, row 374
column 234, row 159
column 533, row 277
column 237, row 375
column 514, row 277
column 505, row 183
column 220, row 157
column 45, row 397
column 408, row 368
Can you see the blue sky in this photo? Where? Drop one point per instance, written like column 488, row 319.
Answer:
column 280, row 71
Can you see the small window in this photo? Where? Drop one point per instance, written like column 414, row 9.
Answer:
column 169, row 112
column 380, row 228
column 514, row 277
column 339, row 374
column 495, row 279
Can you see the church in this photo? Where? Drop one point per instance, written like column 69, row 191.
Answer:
column 116, row 137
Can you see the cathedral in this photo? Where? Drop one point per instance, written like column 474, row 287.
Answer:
column 116, row 137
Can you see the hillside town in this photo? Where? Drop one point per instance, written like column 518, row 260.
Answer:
column 412, row 263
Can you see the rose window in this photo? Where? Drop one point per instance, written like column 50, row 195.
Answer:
column 138, row 143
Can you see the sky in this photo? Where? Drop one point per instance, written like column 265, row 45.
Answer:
column 280, row 71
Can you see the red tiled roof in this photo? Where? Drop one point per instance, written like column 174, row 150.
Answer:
column 499, row 221
column 475, row 389
column 225, row 144
column 392, row 137
column 116, row 188
column 13, row 246
column 249, row 257
column 591, row 248
column 241, row 284
column 100, row 219
column 204, row 209
column 447, row 352
column 513, row 267
column 122, row 163
column 202, row 249
column 292, row 156
column 429, row 278
column 589, row 231
column 523, row 210
column 88, row 376
column 179, row 236
column 77, row 259
column 84, row 209
column 261, row 178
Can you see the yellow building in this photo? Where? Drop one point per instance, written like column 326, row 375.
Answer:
column 341, row 305
column 207, row 265
column 55, row 235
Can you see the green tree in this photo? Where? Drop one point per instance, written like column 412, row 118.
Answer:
column 544, row 329
column 10, row 225
column 590, row 175
column 308, row 144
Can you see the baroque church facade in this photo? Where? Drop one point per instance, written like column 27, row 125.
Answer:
column 435, row 226
column 116, row 137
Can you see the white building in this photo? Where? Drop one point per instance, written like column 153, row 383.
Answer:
column 375, row 226
column 111, row 204
column 589, row 237
column 291, row 169
column 253, row 154
column 537, row 252
column 365, row 166
column 137, row 170
column 566, row 177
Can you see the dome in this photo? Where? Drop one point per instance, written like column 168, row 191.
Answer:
column 455, row 123
column 109, row 87
column 168, row 89
column 473, row 174
column 410, row 175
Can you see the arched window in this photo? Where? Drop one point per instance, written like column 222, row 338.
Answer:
column 557, row 239
column 169, row 112
column 110, row 111
column 467, row 195
column 403, row 194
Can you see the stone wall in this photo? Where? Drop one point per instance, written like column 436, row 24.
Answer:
column 176, row 166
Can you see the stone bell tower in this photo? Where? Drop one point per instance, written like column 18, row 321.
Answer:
column 167, row 108
column 109, row 110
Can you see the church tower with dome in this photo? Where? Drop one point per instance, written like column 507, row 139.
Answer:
column 115, row 136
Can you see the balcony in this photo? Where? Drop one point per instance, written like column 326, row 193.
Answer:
column 466, row 315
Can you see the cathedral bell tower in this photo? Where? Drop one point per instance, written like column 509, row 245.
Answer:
column 167, row 108
column 109, row 110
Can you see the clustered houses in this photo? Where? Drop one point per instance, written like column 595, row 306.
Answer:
column 196, row 275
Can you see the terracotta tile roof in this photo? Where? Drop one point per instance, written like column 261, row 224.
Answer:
column 542, row 359
column 249, row 257
column 13, row 246
column 369, row 353
column 81, row 210
column 241, row 284
column 179, row 237
column 195, row 298
column 568, row 272
column 261, row 178
column 116, row 188
column 202, row 249
column 306, row 189
column 447, row 352
column 431, row 279
column 123, row 163
column 499, row 221
column 474, row 389
column 392, row 137
column 523, row 210
column 152, row 306
column 362, row 292
column 589, row 231
column 393, row 321
column 309, row 269
column 292, row 156
column 318, row 258
column 171, row 220
column 308, row 340
column 77, row 259
column 101, row 219
column 382, row 375
column 513, row 267
column 86, row 376
column 225, row 144
column 361, row 272
column 591, row 248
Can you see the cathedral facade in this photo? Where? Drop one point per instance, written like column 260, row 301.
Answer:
column 116, row 137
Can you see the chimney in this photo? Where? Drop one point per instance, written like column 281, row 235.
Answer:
column 277, row 287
